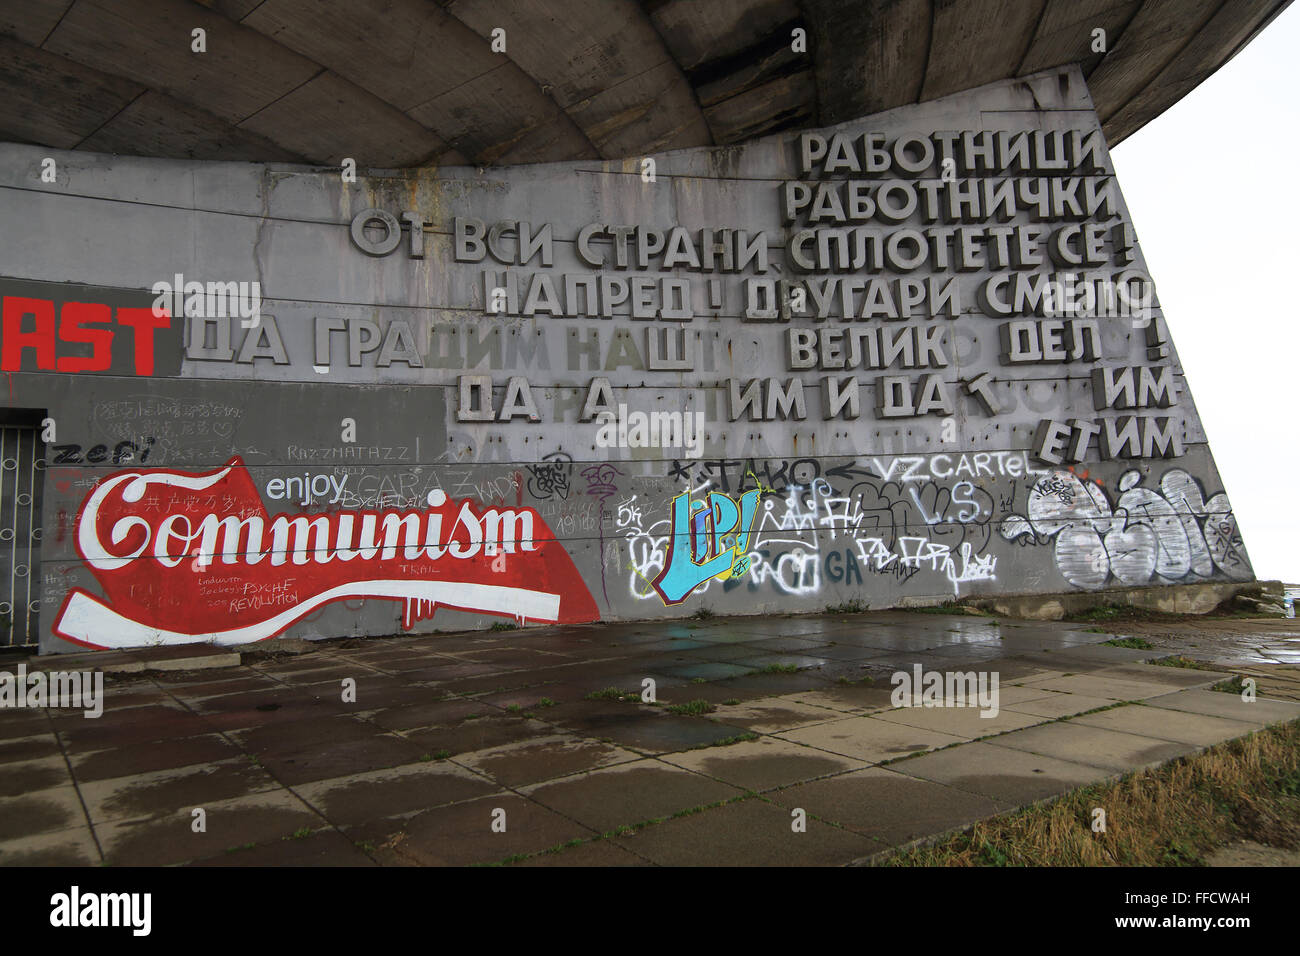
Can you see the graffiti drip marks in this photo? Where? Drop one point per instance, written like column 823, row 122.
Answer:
column 184, row 557
column 1148, row 537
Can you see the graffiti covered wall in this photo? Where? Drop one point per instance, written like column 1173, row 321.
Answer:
column 914, row 356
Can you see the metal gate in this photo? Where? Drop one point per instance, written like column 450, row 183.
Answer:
column 22, row 466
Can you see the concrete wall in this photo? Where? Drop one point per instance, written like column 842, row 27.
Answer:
column 350, row 377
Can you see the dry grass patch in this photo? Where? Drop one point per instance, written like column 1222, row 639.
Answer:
column 1171, row 816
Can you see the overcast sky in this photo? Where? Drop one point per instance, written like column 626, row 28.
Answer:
column 1212, row 188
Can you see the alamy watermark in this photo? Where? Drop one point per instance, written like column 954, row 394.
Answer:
column 212, row 300
column 1071, row 296
column 917, row 688
column 635, row 429
column 83, row 690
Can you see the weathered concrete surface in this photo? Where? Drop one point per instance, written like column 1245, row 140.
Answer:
column 353, row 395
column 405, row 82
column 1171, row 599
column 443, row 735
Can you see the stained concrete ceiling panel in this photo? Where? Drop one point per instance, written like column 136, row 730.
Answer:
column 974, row 42
column 50, row 101
column 402, row 82
column 648, row 113
column 763, row 66
column 31, row 20
column 870, row 57
column 398, row 53
column 777, row 104
column 699, row 33
column 603, row 63
column 1065, row 32
column 157, row 125
column 234, row 9
column 150, row 41
column 1227, row 29
column 499, row 111
column 329, row 119
column 1151, row 40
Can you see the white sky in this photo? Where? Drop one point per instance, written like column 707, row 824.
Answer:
column 1212, row 188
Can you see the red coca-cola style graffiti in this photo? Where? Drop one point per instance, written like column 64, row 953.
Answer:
column 185, row 558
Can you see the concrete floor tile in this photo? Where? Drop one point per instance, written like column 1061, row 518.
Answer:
column 72, row 846
column 1008, row 776
column 746, row 833
column 773, row 714
column 1094, row 746
column 151, row 756
column 492, row 729
column 1173, row 725
column 763, row 764
column 609, row 852
column 40, row 811
column 160, row 841
column 967, row 722
column 1059, row 705
column 393, row 792
column 629, row 793
column 846, row 698
column 461, row 834
column 869, row 739
column 1111, row 688
column 171, row 791
column 889, row 807
column 319, row 848
column 544, row 758
column 21, row 749
column 1260, row 712
column 25, row 776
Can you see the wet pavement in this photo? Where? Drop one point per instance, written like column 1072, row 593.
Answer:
column 771, row 741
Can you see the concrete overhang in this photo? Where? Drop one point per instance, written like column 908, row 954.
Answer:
column 398, row 83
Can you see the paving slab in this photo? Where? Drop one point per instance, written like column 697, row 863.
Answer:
column 1060, row 705
column 1111, row 688
column 1171, row 725
column 1095, row 746
column 763, row 763
column 1001, row 773
column 72, row 846
column 27, row 722
column 168, row 792
column 492, row 729
column 326, row 759
column 629, row 793
column 1260, row 712
column 40, row 811
column 544, row 758
column 889, row 807
column 319, row 848
column 847, row 698
column 772, row 714
column 36, row 746
column 869, row 739
column 394, row 791
column 652, row 731
column 966, row 722
column 160, row 841
column 747, row 833
column 461, row 834
column 607, row 852
column 24, row 776
column 151, row 756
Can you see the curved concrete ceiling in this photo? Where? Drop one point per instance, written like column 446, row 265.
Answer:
column 395, row 83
